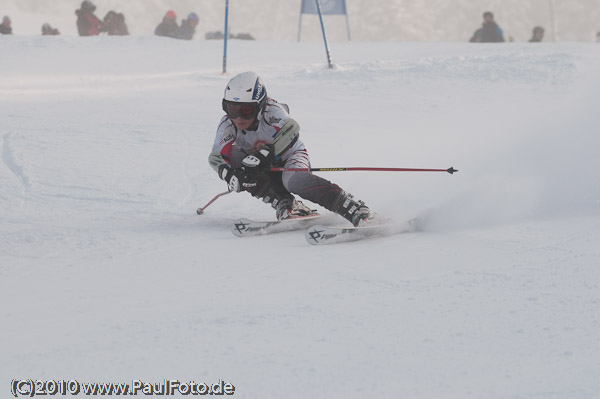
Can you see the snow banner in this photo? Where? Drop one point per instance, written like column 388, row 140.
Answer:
column 331, row 7
column 327, row 7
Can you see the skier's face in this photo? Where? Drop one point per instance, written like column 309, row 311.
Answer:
column 242, row 124
column 242, row 114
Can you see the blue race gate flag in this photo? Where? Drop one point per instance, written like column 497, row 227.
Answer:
column 328, row 7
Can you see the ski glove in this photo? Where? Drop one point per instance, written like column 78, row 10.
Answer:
column 238, row 179
column 261, row 160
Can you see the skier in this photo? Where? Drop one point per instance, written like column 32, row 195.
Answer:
column 168, row 27
column 256, row 134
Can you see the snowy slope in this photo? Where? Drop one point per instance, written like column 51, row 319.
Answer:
column 107, row 274
column 397, row 20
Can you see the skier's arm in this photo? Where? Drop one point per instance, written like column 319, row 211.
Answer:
column 286, row 137
column 222, row 145
column 287, row 129
column 215, row 160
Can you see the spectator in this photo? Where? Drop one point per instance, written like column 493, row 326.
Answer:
column 188, row 27
column 5, row 26
column 489, row 32
column 47, row 30
column 168, row 27
column 477, row 36
column 538, row 35
column 87, row 23
column 115, row 24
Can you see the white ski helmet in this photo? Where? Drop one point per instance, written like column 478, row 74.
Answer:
column 245, row 96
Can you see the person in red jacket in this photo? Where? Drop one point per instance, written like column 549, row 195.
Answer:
column 87, row 23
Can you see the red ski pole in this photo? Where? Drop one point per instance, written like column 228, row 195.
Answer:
column 200, row 211
column 449, row 170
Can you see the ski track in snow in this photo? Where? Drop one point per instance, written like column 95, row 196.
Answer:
column 14, row 165
column 104, row 257
column 185, row 167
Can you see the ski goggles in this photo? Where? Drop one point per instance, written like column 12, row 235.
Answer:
column 245, row 111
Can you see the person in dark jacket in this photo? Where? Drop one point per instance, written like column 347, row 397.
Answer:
column 47, row 30
column 168, row 27
column 491, row 32
column 538, row 35
column 87, row 23
column 5, row 26
column 188, row 27
column 477, row 36
column 115, row 24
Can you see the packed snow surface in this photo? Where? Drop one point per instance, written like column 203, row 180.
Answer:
column 107, row 274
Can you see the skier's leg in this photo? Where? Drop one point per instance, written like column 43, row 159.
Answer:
column 323, row 192
column 270, row 189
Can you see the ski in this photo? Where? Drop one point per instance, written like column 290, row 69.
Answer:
column 319, row 235
column 247, row 228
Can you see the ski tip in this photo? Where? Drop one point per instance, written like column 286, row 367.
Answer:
column 239, row 227
column 451, row 170
column 314, row 234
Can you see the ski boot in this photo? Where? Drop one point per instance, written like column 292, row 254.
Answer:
column 290, row 208
column 356, row 212
column 270, row 189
